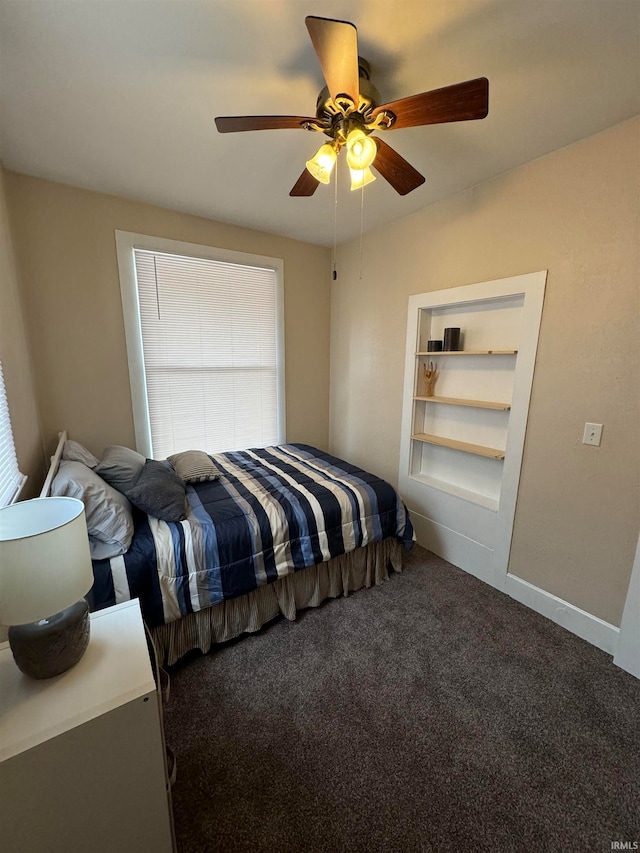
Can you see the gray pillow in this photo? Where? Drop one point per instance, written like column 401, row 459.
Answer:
column 120, row 467
column 160, row 492
column 194, row 466
column 73, row 451
column 108, row 513
column 101, row 550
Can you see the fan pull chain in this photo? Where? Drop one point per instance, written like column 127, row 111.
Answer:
column 335, row 223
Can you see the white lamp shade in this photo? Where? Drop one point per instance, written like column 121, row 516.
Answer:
column 45, row 563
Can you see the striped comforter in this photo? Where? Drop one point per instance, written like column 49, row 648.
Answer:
column 273, row 511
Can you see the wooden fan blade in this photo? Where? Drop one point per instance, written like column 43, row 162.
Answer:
column 395, row 169
column 235, row 124
column 305, row 185
column 460, row 102
column 336, row 45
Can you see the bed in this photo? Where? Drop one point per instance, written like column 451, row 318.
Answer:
column 279, row 529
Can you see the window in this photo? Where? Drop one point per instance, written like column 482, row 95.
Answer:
column 11, row 480
column 205, row 346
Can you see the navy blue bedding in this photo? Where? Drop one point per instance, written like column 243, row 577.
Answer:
column 273, row 511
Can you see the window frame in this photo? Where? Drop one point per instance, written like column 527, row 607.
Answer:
column 126, row 243
column 19, row 479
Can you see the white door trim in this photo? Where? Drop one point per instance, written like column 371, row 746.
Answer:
column 627, row 654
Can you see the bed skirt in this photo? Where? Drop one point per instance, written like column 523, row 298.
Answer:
column 363, row 567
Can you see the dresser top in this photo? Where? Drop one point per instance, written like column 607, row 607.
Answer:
column 114, row 670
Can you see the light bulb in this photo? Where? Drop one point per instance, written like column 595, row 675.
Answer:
column 361, row 177
column 322, row 163
column 361, row 149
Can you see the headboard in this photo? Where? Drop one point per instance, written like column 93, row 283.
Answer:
column 55, row 462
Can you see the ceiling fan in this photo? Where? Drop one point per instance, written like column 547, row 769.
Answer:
column 348, row 110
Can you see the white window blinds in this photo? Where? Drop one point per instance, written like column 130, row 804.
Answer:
column 11, row 480
column 209, row 339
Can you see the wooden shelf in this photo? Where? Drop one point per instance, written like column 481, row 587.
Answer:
column 459, row 401
column 477, row 449
column 471, row 352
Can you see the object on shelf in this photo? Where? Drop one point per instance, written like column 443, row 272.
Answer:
column 430, row 375
column 434, row 346
column 451, row 339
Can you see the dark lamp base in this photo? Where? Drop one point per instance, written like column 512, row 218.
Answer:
column 52, row 645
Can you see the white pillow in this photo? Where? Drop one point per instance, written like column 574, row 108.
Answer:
column 108, row 513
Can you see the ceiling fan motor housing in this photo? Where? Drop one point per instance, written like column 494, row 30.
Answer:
column 333, row 112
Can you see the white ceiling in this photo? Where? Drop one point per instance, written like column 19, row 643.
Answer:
column 120, row 95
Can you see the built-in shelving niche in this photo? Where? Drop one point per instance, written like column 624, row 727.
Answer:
column 459, row 436
column 461, row 450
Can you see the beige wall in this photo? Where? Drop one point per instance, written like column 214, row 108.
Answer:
column 16, row 363
column 576, row 213
column 65, row 245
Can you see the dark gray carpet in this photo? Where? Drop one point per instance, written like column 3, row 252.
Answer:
column 431, row 713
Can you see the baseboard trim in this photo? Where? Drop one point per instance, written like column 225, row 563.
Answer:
column 465, row 553
column 475, row 559
column 585, row 625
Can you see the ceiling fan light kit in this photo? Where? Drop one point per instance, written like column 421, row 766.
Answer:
column 361, row 150
column 321, row 164
column 361, row 177
column 348, row 111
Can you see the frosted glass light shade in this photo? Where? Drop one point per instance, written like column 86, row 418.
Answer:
column 361, row 177
column 321, row 165
column 361, row 150
column 45, row 564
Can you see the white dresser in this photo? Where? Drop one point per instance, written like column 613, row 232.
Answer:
column 82, row 756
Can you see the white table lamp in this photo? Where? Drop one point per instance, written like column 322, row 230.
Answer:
column 45, row 570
